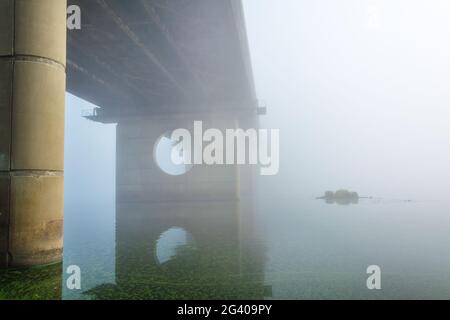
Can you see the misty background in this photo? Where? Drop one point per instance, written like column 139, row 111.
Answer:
column 359, row 91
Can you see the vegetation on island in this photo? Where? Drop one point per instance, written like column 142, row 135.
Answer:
column 343, row 197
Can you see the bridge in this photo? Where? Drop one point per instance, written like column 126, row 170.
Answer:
column 150, row 66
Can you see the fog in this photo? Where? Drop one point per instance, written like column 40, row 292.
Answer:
column 90, row 162
column 359, row 90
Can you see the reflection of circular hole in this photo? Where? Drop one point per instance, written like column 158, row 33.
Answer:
column 169, row 242
column 163, row 157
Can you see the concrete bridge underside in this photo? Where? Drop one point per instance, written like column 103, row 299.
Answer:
column 146, row 64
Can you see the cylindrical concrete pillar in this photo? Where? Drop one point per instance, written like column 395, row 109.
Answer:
column 32, row 95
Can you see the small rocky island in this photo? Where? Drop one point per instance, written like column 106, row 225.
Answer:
column 343, row 197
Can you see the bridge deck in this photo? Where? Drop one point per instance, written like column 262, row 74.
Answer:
column 160, row 56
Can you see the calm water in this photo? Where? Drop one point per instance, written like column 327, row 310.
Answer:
column 274, row 249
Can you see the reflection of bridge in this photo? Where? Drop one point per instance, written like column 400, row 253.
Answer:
column 151, row 66
column 222, row 260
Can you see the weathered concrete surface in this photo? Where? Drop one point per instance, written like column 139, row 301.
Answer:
column 40, row 29
column 6, row 27
column 38, row 116
column 32, row 90
column 36, row 224
column 139, row 179
column 6, row 71
column 4, row 219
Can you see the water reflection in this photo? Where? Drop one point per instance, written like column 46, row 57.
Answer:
column 342, row 202
column 155, row 260
column 171, row 242
column 185, row 235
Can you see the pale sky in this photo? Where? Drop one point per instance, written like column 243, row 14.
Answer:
column 359, row 90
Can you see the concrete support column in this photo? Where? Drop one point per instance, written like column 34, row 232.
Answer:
column 139, row 178
column 32, row 95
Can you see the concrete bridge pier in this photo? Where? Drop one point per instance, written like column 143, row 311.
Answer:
column 140, row 180
column 32, row 95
